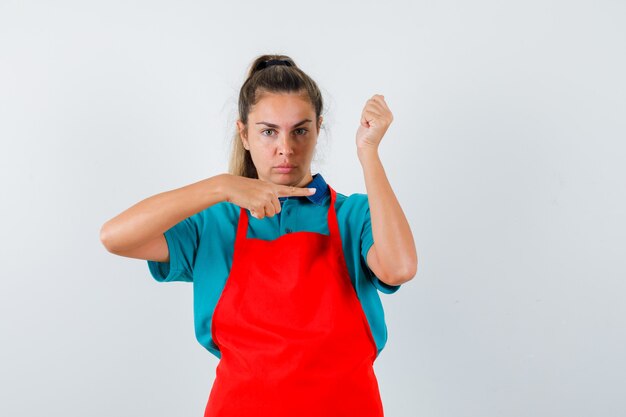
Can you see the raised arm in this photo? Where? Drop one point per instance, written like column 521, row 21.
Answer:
column 392, row 257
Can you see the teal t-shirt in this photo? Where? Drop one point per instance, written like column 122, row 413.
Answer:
column 201, row 250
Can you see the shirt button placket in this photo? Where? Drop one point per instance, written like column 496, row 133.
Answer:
column 285, row 218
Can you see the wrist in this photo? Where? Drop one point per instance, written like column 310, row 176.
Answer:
column 367, row 153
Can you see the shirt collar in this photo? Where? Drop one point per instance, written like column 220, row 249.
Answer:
column 321, row 190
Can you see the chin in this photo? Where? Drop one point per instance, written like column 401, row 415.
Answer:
column 285, row 179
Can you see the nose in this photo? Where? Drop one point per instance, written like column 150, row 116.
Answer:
column 285, row 147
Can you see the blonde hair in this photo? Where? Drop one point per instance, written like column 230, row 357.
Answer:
column 261, row 80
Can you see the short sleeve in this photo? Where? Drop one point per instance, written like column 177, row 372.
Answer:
column 367, row 240
column 182, row 240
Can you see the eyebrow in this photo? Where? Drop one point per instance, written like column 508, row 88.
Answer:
column 296, row 125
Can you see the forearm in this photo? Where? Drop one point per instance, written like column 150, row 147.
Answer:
column 156, row 214
column 395, row 246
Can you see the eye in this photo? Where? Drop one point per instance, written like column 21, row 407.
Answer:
column 302, row 130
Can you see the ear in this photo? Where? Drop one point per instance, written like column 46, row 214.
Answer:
column 319, row 123
column 243, row 135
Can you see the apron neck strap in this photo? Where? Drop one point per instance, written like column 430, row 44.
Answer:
column 333, row 225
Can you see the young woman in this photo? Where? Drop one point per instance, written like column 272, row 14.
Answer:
column 285, row 270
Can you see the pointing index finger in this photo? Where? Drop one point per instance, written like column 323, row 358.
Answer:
column 288, row 191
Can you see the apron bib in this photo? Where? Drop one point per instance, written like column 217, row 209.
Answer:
column 293, row 337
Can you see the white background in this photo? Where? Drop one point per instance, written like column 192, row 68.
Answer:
column 506, row 153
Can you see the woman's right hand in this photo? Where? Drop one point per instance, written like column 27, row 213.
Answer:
column 258, row 196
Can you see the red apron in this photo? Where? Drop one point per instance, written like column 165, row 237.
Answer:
column 293, row 337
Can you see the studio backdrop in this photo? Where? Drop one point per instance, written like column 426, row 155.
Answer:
column 506, row 153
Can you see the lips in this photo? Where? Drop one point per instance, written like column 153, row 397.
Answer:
column 284, row 168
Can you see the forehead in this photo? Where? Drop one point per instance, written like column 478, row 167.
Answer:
column 282, row 108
